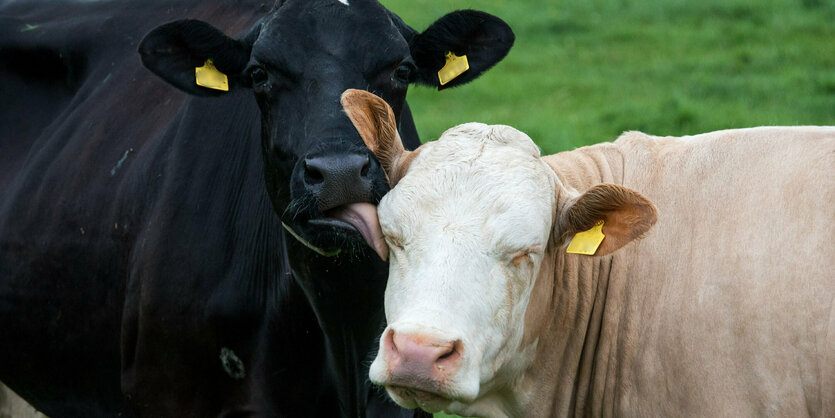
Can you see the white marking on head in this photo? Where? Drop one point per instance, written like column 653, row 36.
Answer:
column 467, row 228
column 345, row 2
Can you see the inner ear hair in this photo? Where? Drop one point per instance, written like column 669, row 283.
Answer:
column 627, row 215
column 372, row 117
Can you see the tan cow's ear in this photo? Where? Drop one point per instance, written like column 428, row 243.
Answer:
column 626, row 215
column 374, row 120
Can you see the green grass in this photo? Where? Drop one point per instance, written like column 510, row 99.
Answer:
column 583, row 71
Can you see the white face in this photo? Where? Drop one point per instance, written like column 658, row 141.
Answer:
column 466, row 227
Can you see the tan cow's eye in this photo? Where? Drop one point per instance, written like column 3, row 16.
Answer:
column 524, row 255
column 520, row 258
column 394, row 242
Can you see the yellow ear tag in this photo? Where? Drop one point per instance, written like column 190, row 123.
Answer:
column 586, row 242
column 208, row 76
column 454, row 67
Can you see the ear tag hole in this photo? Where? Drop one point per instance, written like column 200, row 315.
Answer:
column 454, row 67
column 587, row 242
column 208, row 76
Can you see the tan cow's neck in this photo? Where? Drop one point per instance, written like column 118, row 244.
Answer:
column 581, row 316
column 562, row 303
column 584, row 167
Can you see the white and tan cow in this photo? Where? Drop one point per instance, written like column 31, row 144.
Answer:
column 725, row 307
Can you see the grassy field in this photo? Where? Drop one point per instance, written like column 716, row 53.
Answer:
column 583, row 71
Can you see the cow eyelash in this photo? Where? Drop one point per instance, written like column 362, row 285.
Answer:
column 258, row 75
column 524, row 255
column 394, row 242
column 519, row 258
column 403, row 73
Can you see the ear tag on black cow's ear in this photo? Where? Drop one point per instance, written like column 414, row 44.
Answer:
column 454, row 67
column 586, row 242
column 208, row 76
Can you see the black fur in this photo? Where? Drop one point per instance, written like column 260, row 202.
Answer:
column 141, row 236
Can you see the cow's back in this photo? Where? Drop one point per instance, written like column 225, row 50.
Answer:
column 730, row 299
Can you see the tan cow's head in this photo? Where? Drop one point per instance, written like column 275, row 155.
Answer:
column 467, row 225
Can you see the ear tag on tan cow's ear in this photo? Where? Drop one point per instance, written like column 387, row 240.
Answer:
column 208, row 76
column 586, row 242
column 454, row 67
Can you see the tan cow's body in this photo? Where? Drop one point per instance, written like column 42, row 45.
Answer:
column 712, row 294
column 725, row 308
column 13, row 406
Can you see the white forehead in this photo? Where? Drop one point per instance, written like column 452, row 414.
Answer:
column 479, row 179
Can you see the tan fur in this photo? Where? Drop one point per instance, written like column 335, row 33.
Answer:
column 375, row 122
column 725, row 308
column 13, row 406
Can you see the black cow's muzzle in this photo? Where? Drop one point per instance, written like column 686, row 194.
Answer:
column 337, row 179
column 334, row 197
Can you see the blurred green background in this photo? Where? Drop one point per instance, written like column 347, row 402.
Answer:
column 583, row 71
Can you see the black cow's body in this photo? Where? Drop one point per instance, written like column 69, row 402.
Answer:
column 143, row 266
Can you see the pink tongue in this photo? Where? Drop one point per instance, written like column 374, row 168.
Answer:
column 363, row 216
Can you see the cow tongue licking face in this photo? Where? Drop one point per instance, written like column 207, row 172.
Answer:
column 297, row 61
column 299, row 66
column 334, row 190
column 363, row 218
column 335, row 181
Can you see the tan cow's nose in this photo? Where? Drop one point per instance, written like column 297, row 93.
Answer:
column 421, row 357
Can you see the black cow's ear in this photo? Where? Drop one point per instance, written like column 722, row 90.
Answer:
column 174, row 50
column 483, row 38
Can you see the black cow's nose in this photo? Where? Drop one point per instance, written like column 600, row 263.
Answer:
column 335, row 177
column 324, row 168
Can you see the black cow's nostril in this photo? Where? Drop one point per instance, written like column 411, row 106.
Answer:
column 313, row 173
column 338, row 178
column 365, row 167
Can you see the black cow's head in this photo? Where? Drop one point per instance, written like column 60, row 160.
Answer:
column 297, row 61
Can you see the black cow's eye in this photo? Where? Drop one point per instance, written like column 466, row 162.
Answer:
column 258, row 76
column 403, row 73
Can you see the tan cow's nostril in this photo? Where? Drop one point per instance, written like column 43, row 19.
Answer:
column 449, row 360
column 454, row 351
column 388, row 343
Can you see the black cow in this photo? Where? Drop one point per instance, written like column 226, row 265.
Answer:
column 144, row 268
